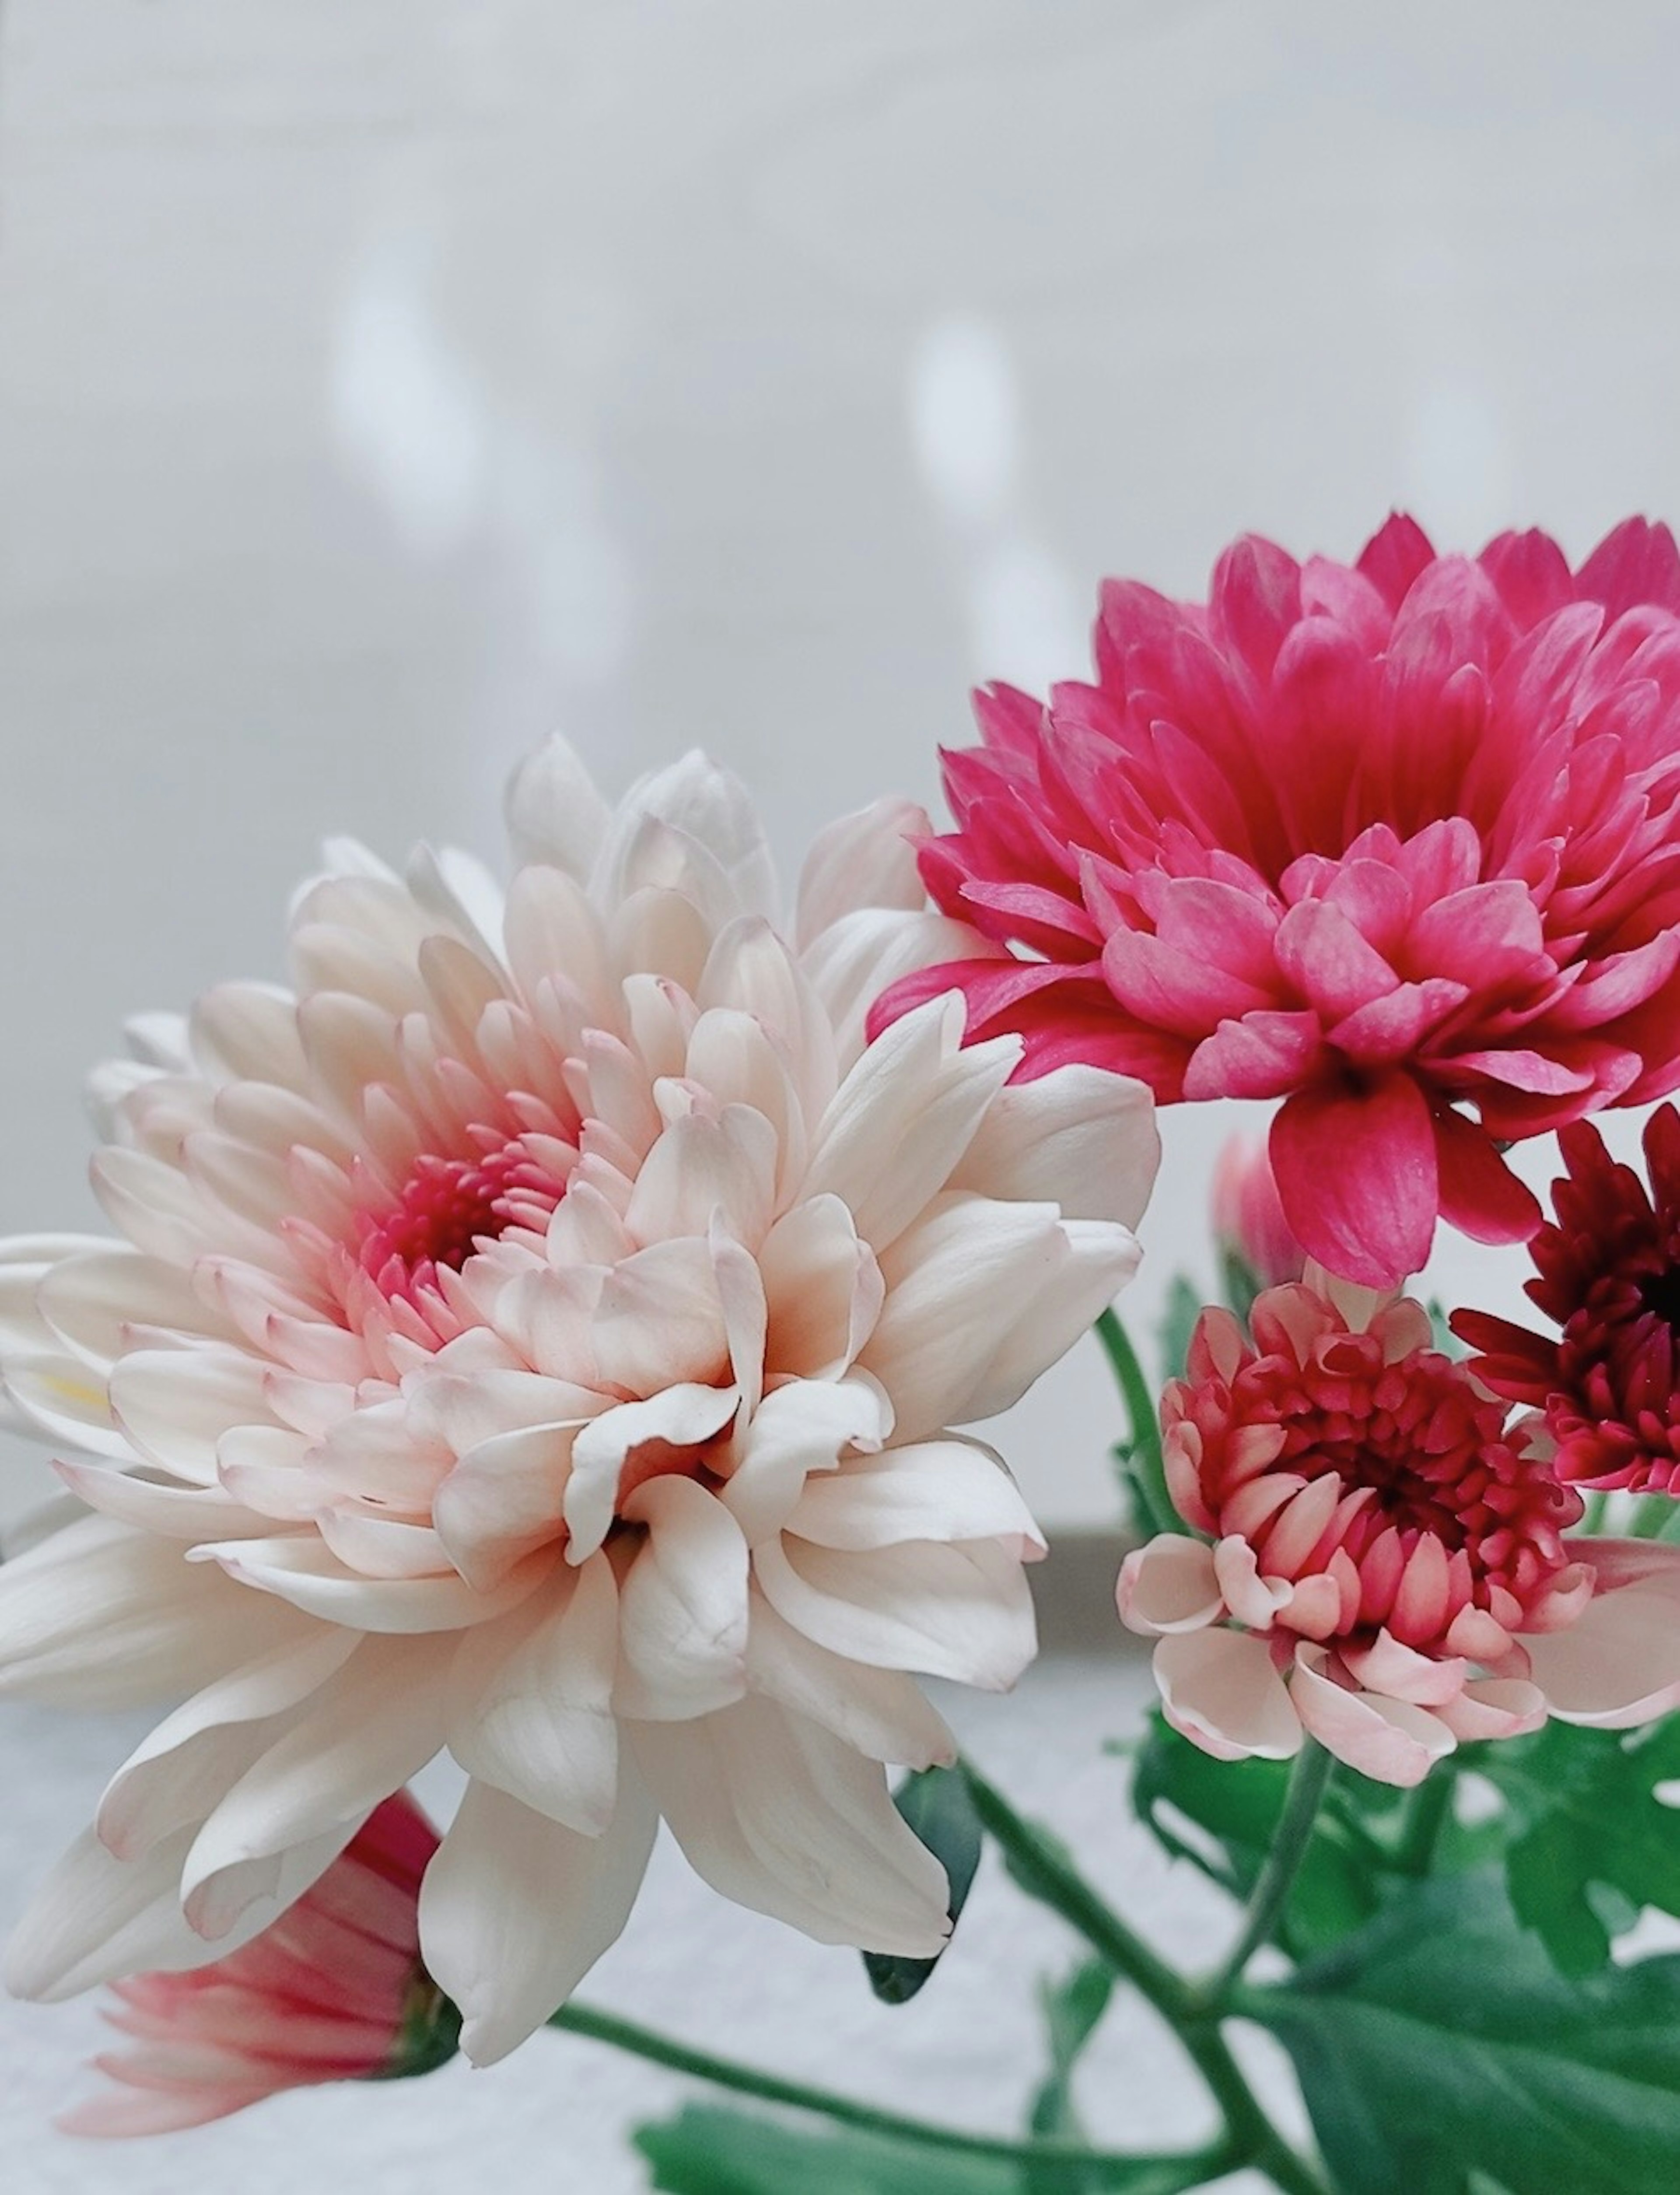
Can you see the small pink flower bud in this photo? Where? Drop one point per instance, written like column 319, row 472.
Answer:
column 1248, row 1216
column 334, row 1990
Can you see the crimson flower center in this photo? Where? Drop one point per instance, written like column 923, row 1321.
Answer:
column 1430, row 1457
column 447, row 1207
column 1659, row 1293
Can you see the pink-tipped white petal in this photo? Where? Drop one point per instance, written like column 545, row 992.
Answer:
column 1169, row 1586
column 1390, row 1741
column 1220, row 1689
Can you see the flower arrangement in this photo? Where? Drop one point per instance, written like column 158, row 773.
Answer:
column 551, row 1331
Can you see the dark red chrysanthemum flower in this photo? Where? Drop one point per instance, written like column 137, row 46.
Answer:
column 1397, row 843
column 1609, row 1274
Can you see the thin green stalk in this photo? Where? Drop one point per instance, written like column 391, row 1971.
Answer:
column 1038, row 1865
column 1426, row 1817
column 1178, row 2170
column 1289, row 1840
column 1144, row 1435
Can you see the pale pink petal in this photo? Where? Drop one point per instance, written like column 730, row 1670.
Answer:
column 1077, row 1137
column 515, row 1908
column 1255, row 1601
column 59, row 1395
column 372, row 1725
column 779, row 1815
column 904, row 1117
column 530, row 1699
column 1387, row 1665
column 1220, row 1689
column 98, row 1614
column 1619, row 1663
column 1493, row 1706
column 948, row 1489
column 1389, row 1740
column 857, row 959
column 1091, row 1262
column 554, row 815
column 1168, row 1586
column 502, row 1500
column 178, row 1773
column 658, row 1320
column 701, row 1165
column 883, row 1713
column 954, row 1291
column 798, row 1429
column 961, row 1611
column 301, row 1569
column 174, row 1404
column 682, row 1605
column 867, row 859
column 690, row 827
column 682, row 1416
column 95, row 1303
column 823, row 1290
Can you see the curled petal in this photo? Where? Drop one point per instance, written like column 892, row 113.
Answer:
column 1220, row 1689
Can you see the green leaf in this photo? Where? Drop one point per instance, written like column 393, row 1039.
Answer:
column 709, row 2151
column 937, row 1805
column 1440, row 2039
column 706, row 2150
column 1178, row 1323
column 1592, row 1844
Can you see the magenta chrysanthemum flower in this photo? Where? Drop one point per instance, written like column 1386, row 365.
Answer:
column 1387, row 842
column 1386, row 1569
column 1609, row 1274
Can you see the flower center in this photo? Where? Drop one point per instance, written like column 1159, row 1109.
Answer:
column 446, row 1208
column 1659, row 1292
column 1429, row 1455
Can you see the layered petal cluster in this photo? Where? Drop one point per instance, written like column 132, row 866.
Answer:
column 334, row 1990
column 1607, row 1274
column 1397, row 843
column 1384, row 1566
column 538, row 1333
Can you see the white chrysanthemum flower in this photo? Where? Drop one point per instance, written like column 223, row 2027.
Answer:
column 537, row 1335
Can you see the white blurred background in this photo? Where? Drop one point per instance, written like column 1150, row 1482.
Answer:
column 383, row 382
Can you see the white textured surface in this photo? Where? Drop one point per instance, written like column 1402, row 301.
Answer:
column 552, row 2119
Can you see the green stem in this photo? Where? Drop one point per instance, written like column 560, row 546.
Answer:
column 1178, row 2171
column 1431, row 1804
column 1289, row 1840
column 1149, row 1474
column 1037, row 1863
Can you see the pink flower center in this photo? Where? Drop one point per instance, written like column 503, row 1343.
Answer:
column 1418, row 1455
column 447, row 1209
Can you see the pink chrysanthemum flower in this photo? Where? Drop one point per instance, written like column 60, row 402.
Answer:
column 1386, row 1569
column 1398, row 844
column 335, row 1991
column 1249, row 1221
column 1609, row 1274
column 539, row 1333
